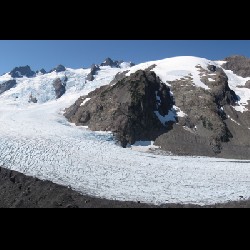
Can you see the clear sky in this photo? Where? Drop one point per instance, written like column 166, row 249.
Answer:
column 82, row 53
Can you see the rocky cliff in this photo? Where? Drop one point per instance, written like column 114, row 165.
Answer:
column 126, row 108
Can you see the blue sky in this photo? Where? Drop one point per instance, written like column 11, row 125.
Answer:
column 82, row 53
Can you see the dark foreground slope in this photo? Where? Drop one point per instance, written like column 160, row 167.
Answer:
column 20, row 191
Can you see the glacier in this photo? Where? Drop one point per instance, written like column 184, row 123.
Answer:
column 37, row 140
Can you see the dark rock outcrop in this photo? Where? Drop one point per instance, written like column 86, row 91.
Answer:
column 247, row 85
column 59, row 86
column 109, row 62
column 59, row 68
column 32, row 99
column 90, row 77
column 22, row 71
column 7, row 85
column 93, row 71
column 240, row 65
column 43, row 71
column 204, row 111
column 119, row 76
column 126, row 108
column 212, row 68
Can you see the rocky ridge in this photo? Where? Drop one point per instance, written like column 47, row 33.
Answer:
column 126, row 108
column 141, row 107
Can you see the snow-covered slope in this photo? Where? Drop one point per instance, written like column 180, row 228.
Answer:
column 237, row 84
column 42, row 88
column 171, row 69
column 36, row 139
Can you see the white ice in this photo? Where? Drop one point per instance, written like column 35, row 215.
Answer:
column 37, row 140
column 143, row 146
column 237, row 84
column 211, row 80
column 83, row 103
column 171, row 116
column 171, row 69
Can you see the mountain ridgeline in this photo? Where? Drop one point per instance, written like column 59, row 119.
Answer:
column 185, row 105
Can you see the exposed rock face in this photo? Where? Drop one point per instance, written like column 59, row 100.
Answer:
column 59, row 68
column 212, row 68
column 32, row 99
column 93, row 71
column 127, row 108
column 22, row 71
column 7, row 85
column 59, row 86
column 208, row 125
column 109, row 62
column 240, row 65
column 204, row 119
column 114, row 64
column 119, row 76
column 43, row 71
column 247, row 85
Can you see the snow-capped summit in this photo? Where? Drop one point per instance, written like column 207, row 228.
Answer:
column 116, row 64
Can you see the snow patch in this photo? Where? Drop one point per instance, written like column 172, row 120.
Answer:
column 87, row 99
column 211, row 80
column 175, row 68
column 179, row 112
column 170, row 117
column 233, row 120
column 143, row 146
column 125, row 65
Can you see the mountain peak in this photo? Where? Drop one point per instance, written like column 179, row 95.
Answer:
column 19, row 72
column 115, row 64
column 58, row 68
